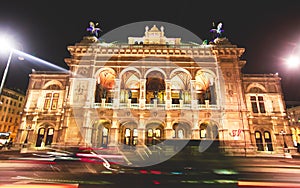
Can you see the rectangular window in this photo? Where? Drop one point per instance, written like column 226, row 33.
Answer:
column 47, row 104
column 257, row 104
column 54, row 104
column 254, row 104
column 51, row 100
column 54, row 101
column 261, row 104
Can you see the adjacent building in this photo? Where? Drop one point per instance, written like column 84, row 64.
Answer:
column 294, row 121
column 12, row 104
column 152, row 89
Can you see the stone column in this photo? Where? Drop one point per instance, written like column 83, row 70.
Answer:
column 114, row 133
column 168, row 128
column 103, row 103
column 168, row 95
column 87, row 127
column 141, row 130
column 129, row 103
column 116, row 100
column 142, row 100
column 194, row 101
column 180, row 103
column 195, row 129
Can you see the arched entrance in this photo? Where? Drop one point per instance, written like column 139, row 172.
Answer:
column 205, row 87
column 155, row 87
column 129, row 134
column 100, row 133
column 263, row 141
column 180, row 87
column 209, row 131
column 181, row 130
column 154, row 133
column 105, row 85
column 130, row 87
column 44, row 136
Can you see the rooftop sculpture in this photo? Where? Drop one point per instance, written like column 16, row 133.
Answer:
column 217, row 32
column 93, row 30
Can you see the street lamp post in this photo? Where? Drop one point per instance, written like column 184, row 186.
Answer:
column 27, row 137
column 285, row 147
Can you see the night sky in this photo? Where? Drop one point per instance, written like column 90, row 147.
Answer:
column 268, row 30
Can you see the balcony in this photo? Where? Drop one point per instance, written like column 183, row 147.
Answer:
column 157, row 106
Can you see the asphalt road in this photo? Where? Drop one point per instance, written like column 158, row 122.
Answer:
column 183, row 170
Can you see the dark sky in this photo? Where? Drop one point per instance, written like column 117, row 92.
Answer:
column 268, row 29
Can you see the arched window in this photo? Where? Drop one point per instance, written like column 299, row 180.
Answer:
column 181, row 130
column 104, row 137
column 180, row 134
column 209, row 131
column 259, row 141
column 268, row 141
column 44, row 137
column 157, row 133
column 49, row 137
column 135, row 137
column 153, row 136
column 127, row 136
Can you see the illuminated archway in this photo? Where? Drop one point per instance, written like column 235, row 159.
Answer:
column 205, row 87
column 105, row 85
column 130, row 86
column 155, row 87
column 100, row 133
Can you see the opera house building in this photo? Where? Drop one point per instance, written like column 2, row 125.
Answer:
column 155, row 88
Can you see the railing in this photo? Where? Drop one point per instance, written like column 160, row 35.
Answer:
column 155, row 106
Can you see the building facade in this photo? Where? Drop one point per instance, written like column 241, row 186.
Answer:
column 12, row 104
column 153, row 89
column 294, row 121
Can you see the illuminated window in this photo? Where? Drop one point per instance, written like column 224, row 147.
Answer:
column 157, row 133
column 135, row 137
column 127, row 132
column 257, row 134
column 267, row 135
column 51, row 100
column 54, row 101
column 47, row 101
column 180, row 133
column 105, row 131
column 202, row 133
column 150, row 133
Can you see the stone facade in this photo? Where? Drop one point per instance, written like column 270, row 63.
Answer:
column 154, row 89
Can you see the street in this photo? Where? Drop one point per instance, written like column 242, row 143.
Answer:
column 186, row 169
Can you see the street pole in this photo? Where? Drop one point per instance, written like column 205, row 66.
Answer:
column 6, row 71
